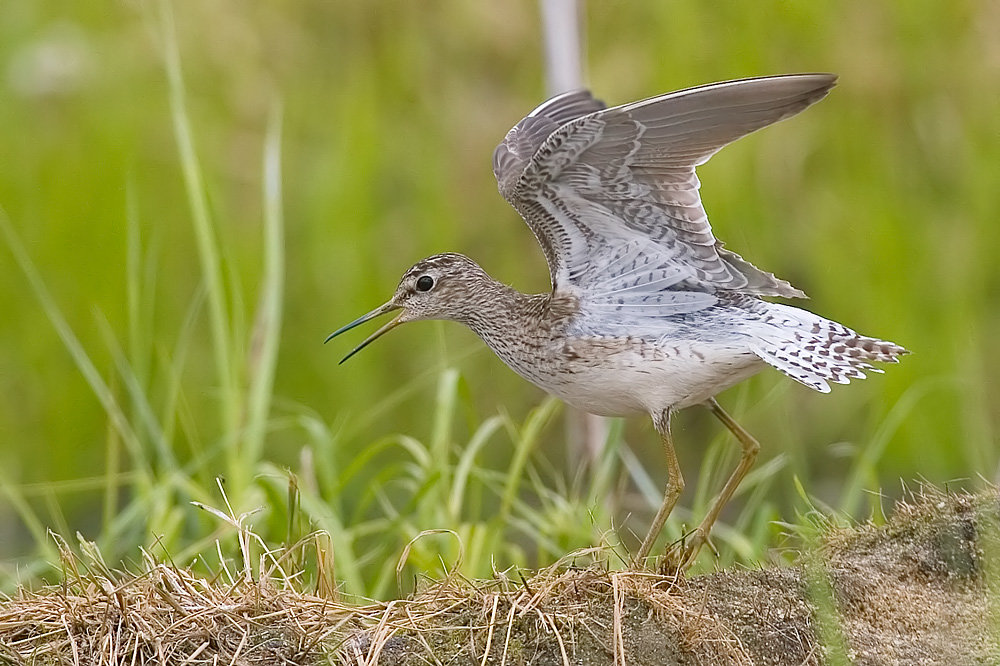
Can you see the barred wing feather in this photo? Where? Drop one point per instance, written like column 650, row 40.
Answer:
column 612, row 196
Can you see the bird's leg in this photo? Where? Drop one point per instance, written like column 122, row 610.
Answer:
column 675, row 484
column 750, row 448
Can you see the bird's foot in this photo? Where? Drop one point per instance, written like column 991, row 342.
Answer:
column 699, row 538
column 680, row 555
column 671, row 563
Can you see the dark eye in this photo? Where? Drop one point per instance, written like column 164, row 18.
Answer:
column 424, row 283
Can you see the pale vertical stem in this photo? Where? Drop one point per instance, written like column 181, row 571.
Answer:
column 563, row 39
column 266, row 333
column 208, row 251
column 563, row 45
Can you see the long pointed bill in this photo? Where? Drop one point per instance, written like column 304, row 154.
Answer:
column 377, row 312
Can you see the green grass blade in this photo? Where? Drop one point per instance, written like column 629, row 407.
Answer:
column 208, row 250
column 266, row 335
column 460, row 482
column 524, row 444
column 144, row 414
column 864, row 473
column 441, row 436
column 80, row 357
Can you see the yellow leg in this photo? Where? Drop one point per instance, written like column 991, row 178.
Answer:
column 750, row 449
column 675, row 484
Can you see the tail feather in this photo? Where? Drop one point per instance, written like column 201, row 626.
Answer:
column 816, row 351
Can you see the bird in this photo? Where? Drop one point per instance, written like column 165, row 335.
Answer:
column 647, row 312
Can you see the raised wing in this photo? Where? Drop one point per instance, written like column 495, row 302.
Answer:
column 612, row 195
column 523, row 141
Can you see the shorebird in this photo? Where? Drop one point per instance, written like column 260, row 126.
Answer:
column 647, row 313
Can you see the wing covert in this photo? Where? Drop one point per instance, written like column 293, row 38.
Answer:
column 612, row 194
column 524, row 139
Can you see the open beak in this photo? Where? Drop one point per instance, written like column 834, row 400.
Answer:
column 377, row 312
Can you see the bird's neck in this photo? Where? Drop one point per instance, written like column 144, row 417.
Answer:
column 511, row 319
column 505, row 308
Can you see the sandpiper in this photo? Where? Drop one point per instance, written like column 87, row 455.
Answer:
column 648, row 312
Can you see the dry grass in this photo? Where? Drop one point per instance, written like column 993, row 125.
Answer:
column 917, row 590
column 165, row 614
column 558, row 615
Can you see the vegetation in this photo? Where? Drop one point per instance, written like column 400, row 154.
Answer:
column 919, row 589
column 194, row 195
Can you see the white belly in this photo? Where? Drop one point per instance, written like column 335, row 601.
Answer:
column 628, row 382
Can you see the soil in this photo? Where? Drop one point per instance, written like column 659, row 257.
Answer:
column 922, row 589
column 913, row 591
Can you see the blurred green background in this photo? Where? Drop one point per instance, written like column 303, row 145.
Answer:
column 881, row 203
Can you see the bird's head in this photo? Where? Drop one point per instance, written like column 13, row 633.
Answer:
column 444, row 286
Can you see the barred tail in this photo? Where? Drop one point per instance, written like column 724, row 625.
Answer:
column 815, row 351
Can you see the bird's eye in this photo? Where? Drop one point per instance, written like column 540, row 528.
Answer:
column 424, row 283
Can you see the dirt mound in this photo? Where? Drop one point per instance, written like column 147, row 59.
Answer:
column 918, row 590
column 913, row 591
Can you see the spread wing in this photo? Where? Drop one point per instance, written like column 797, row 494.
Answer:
column 612, row 195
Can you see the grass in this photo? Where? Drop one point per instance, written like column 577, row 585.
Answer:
column 847, row 598
column 191, row 214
